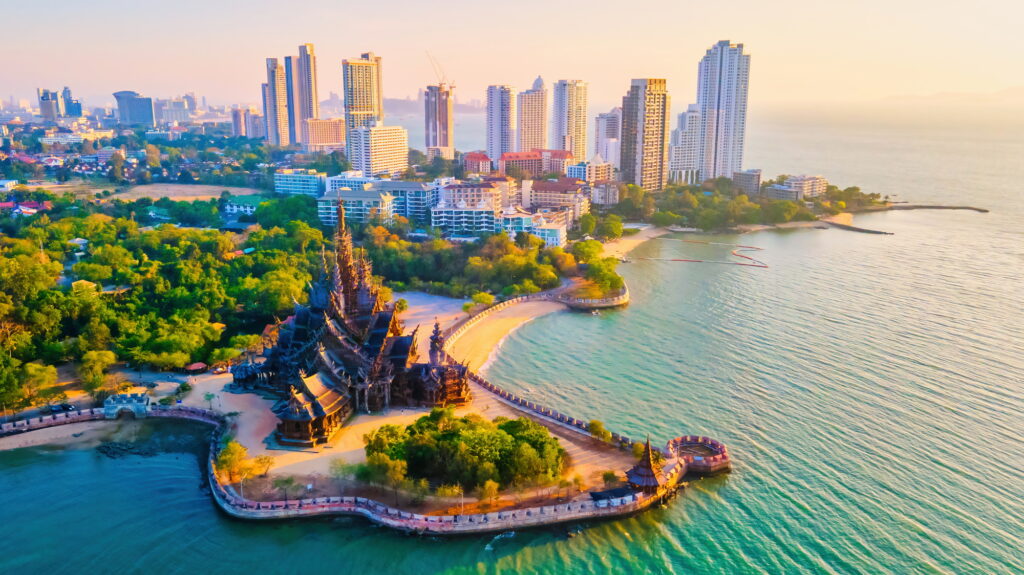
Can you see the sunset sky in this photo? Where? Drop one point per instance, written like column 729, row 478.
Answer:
column 803, row 51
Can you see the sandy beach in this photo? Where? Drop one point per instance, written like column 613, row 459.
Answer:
column 477, row 346
column 622, row 246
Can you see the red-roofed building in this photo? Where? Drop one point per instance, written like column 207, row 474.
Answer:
column 536, row 162
column 476, row 163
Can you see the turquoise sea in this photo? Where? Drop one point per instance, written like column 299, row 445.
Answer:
column 871, row 390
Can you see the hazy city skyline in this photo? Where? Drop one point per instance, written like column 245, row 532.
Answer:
column 842, row 53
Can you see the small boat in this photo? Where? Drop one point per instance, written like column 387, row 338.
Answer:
column 594, row 312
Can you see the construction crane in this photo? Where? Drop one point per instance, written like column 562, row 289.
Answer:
column 438, row 71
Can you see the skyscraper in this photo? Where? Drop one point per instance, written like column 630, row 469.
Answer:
column 238, row 124
column 307, row 100
column 134, row 109
column 275, row 104
column 609, row 132
column 644, row 145
column 364, row 96
column 303, row 100
column 50, row 107
column 569, row 117
column 533, row 117
column 440, row 122
column 684, row 153
column 722, row 80
column 72, row 108
column 292, row 98
column 501, row 121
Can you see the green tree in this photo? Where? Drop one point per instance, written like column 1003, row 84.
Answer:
column 489, row 491
column 610, row 478
column 231, row 458
column 588, row 223
column 587, row 250
column 598, row 430
column 610, row 228
column 36, row 378
column 483, row 298
column 93, row 367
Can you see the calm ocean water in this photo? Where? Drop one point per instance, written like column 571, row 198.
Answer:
column 871, row 390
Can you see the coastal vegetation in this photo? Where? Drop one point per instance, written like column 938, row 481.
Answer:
column 162, row 296
column 469, row 452
column 719, row 204
column 496, row 264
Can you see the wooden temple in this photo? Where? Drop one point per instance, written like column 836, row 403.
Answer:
column 344, row 352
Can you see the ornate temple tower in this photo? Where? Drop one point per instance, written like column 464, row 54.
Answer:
column 436, row 344
column 347, row 275
column 647, row 475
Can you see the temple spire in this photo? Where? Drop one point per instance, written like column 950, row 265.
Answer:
column 436, row 344
column 646, row 475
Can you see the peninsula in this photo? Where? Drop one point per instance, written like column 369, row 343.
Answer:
column 344, row 374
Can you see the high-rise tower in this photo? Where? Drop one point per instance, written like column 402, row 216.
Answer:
column 722, row 81
column 440, row 122
column 501, row 121
column 644, row 146
column 275, row 104
column 364, row 95
column 609, row 133
column 569, row 118
column 533, row 117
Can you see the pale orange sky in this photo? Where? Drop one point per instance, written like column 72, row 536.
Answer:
column 802, row 51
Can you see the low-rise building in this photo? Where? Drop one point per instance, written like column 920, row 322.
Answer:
column 361, row 206
column 476, row 163
column 412, row 200
column 443, row 152
column 596, row 170
column 604, row 192
column 748, row 181
column 563, row 193
column 797, row 188
column 247, row 205
column 468, row 209
column 352, row 179
column 552, row 230
column 536, row 162
column 298, row 181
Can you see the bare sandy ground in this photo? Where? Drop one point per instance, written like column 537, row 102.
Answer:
column 622, row 246
column 477, row 346
column 182, row 192
column 423, row 309
column 845, row 218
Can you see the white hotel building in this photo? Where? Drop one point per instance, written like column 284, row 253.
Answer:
column 378, row 149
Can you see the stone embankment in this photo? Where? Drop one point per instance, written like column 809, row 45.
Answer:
column 235, row 505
